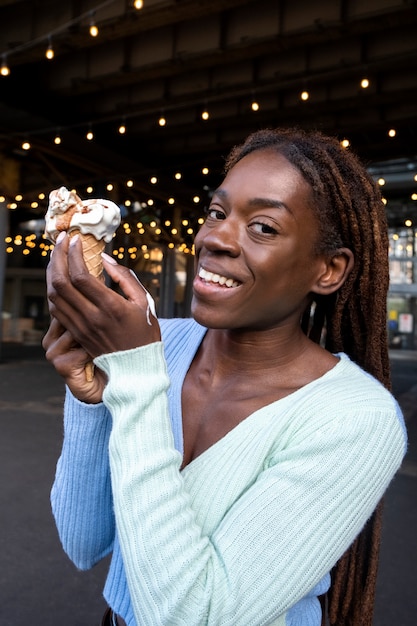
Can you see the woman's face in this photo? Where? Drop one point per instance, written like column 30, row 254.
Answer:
column 255, row 261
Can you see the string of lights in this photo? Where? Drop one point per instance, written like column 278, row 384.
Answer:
column 153, row 229
column 48, row 37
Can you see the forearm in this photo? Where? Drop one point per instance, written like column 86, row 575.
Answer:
column 166, row 556
column 81, row 494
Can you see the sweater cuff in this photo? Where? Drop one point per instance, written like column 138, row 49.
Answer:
column 128, row 363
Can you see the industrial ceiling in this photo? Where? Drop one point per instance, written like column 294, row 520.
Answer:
column 177, row 59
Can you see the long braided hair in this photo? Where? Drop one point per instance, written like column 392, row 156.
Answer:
column 351, row 214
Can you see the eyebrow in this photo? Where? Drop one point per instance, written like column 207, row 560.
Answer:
column 255, row 202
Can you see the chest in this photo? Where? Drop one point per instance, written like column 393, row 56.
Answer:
column 210, row 414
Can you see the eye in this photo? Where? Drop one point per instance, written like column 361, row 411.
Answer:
column 262, row 228
column 214, row 213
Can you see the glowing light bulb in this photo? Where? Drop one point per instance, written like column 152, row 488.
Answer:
column 138, row 4
column 4, row 71
column 365, row 83
column 304, row 95
column 93, row 27
column 162, row 121
column 50, row 51
column 255, row 106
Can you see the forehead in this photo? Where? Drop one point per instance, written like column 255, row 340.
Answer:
column 266, row 173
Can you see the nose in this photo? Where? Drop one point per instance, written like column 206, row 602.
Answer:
column 223, row 237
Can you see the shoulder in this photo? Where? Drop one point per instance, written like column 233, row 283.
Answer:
column 355, row 397
column 352, row 381
column 181, row 335
column 180, row 328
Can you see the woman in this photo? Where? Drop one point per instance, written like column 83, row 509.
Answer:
column 243, row 461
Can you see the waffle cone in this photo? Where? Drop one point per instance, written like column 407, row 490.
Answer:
column 92, row 249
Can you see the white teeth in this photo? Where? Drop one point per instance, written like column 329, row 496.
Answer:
column 209, row 277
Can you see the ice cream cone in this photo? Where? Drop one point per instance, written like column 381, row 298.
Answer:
column 94, row 220
column 92, row 249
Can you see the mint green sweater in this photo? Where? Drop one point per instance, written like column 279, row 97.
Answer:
column 246, row 534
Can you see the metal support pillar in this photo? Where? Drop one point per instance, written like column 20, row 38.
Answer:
column 3, row 234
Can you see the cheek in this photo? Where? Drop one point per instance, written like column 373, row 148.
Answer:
column 198, row 239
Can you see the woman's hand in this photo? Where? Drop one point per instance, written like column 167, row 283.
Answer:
column 97, row 318
column 69, row 360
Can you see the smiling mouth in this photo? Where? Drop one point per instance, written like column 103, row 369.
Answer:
column 217, row 279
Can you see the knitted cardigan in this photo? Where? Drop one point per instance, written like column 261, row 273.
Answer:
column 246, row 534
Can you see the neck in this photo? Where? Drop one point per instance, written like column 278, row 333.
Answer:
column 231, row 351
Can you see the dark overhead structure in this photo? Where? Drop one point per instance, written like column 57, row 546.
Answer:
column 165, row 89
column 178, row 59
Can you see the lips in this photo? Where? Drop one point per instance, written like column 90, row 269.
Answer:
column 217, row 279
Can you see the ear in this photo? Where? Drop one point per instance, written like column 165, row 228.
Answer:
column 336, row 269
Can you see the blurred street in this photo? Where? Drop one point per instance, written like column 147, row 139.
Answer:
column 39, row 586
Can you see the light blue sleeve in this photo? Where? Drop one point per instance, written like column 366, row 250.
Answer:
column 81, row 495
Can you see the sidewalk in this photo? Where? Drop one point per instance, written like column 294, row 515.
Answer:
column 40, row 586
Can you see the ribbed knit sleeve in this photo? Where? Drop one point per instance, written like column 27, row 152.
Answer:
column 254, row 523
column 81, row 494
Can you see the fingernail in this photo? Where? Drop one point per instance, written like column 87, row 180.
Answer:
column 108, row 258
column 74, row 240
column 61, row 236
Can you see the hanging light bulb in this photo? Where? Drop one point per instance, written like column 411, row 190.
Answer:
column 255, row 106
column 122, row 128
column 304, row 95
column 26, row 145
column 138, row 4
column 57, row 139
column 162, row 121
column 365, row 83
column 5, row 70
column 93, row 27
column 90, row 134
column 50, row 51
column 205, row 115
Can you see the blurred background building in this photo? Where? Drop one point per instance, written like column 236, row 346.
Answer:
column 140, row 101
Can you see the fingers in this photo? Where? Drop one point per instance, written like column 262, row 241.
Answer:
column 62, row 351
column 72, row 293
column 98, row 318
column 69, row 360
column 130, row 285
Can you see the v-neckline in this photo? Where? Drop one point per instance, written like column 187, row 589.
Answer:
column 186, row 364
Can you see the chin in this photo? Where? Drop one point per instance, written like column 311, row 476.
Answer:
column 208, row 319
